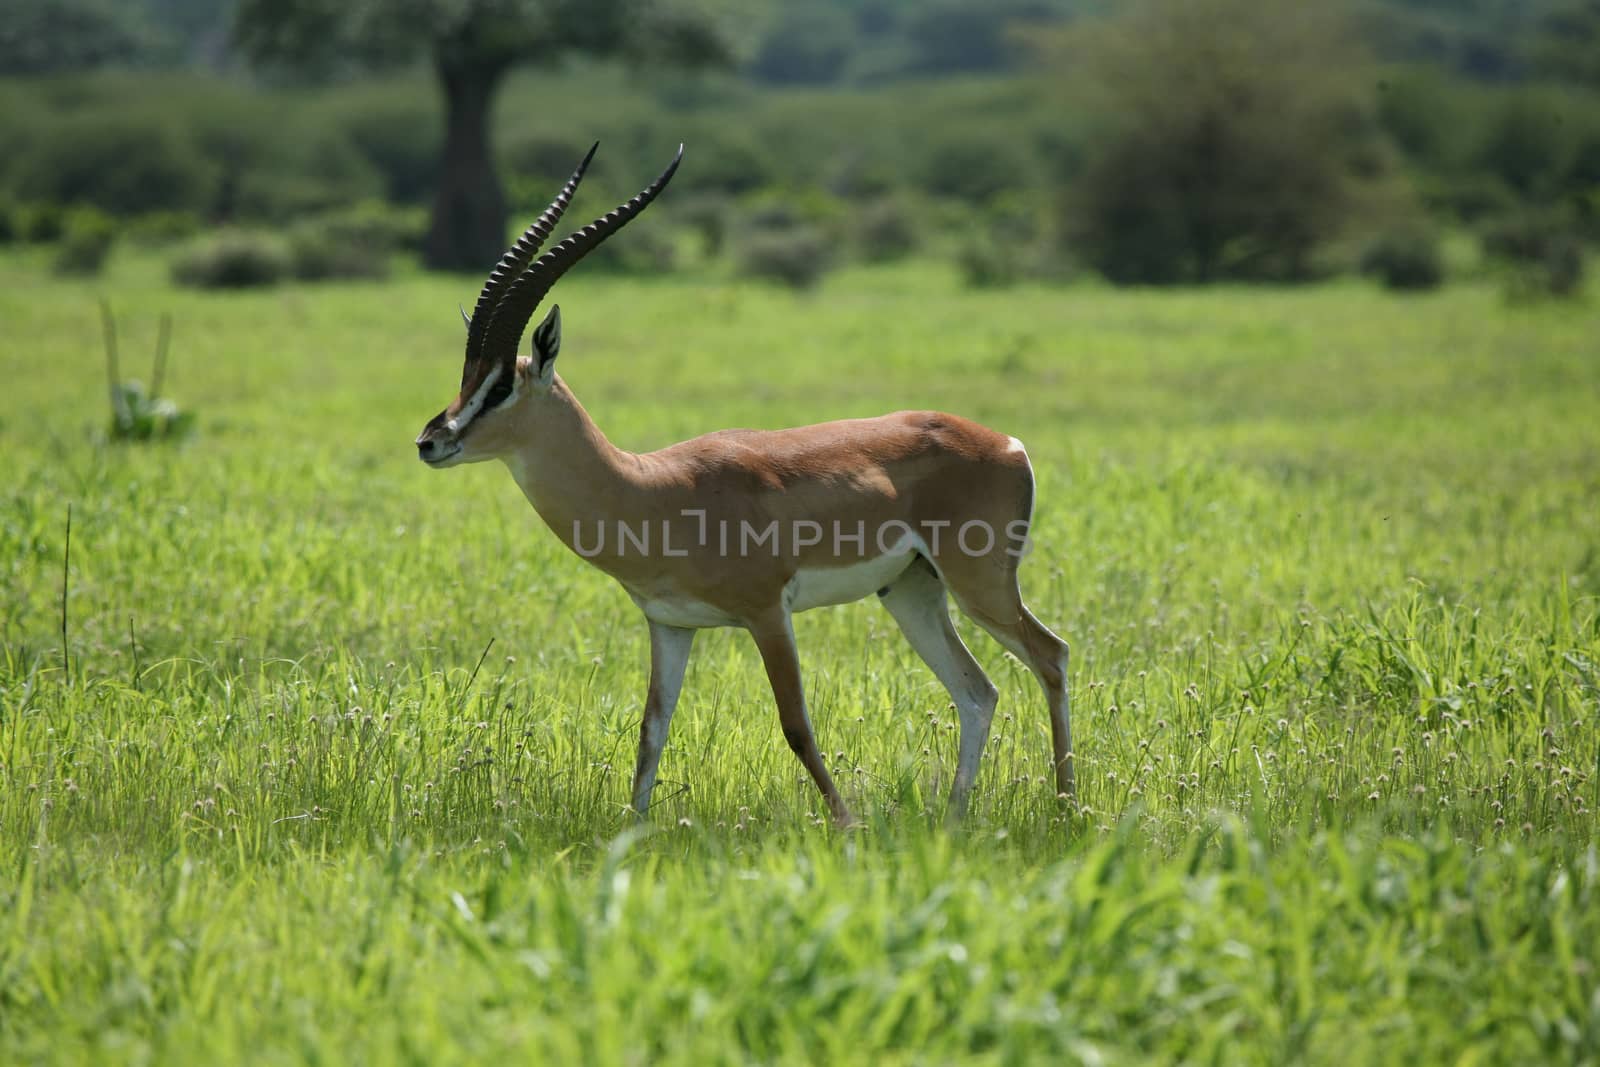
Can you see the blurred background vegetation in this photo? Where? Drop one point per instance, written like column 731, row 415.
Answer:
column 1153, row 142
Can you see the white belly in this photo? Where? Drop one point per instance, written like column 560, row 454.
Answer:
column 682, row 611
column 817, row 587
column 811, row 587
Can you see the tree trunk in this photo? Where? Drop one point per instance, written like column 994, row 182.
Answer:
column 468, row 230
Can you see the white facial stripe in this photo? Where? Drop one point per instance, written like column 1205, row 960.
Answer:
column 469, row 410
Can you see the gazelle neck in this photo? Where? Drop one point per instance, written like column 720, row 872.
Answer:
column 566, row 467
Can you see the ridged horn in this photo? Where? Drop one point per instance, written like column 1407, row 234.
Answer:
column 516, row 260
column 523, row 295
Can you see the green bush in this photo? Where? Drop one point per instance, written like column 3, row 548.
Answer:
column 886, row 229
column 400, row 140
column 648, row 248
column 1430, row 116
column 355, row 242
column 40, row 223
column 1408, row 258
column 1558, row 272
column 708, row 217
column 1563, row 269
column 87, row 239
column 976, row 165
column 316, row 253
column 274, row 166
column 1524, row 236
column 232, row 259
column 376, row 225
column 9, row 223
column 797, row 255
column 1530, row 142
column 331, row 175
column 1005, row 245
column 1470, row 198
column 121, row 163
column 863, row 173
column 777, row 210
column 986, row 262
column 732, row 163
column 162, row 227
column 1541, row 252
column 1587, row 212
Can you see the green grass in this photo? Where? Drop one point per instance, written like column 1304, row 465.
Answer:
column 1326, row 557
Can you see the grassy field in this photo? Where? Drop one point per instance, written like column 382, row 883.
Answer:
column 1327, row 559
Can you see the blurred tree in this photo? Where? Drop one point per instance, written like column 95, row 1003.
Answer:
column 807, row 45
column 472, row 44
column 1530, row 143
column 1429, row 115
column 957, row 36
column 1568, row 45
column 197, row 29
column 1229, row 136
column 1484, row 40
column 52, row 36
column 976, row 163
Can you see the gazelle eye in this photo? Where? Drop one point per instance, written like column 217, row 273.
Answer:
column 499, row 394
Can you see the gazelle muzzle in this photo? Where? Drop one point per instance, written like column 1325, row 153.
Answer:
column 437, row 442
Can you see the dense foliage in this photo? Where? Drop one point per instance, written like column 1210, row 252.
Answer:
column 470, row 48
column 955, row 161
column 1167, row 142
column 1229, row 139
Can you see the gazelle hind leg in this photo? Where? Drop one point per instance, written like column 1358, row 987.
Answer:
column 1047, row 656
column 916, row 600
column 997, row 606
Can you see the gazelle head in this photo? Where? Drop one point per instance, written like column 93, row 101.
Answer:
column 494, row 382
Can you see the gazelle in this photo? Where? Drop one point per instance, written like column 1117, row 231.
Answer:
column 746, row 527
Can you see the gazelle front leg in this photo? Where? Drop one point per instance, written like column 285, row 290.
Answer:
column 669, row 657
column 775, row 640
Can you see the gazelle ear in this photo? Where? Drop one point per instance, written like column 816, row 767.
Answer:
column 547, row 342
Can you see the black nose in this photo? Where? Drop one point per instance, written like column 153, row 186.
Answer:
column 425, row 447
